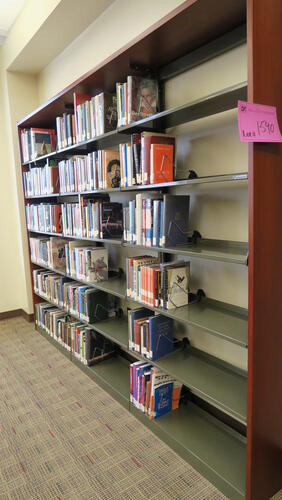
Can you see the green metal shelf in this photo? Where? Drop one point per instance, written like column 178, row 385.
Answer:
column 209, row 378
column 212, row 380
column 215, row 450
column 114, row 286
column 113, row 241
column 212, row 104
column 216, row 250
column 208, row 445
column 217, row 318
column 177, row 183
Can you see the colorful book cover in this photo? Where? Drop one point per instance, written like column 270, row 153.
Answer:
column 162, row 157
column 177, row 286
column 160, row 336
column 143, row 97
column 96, row 264
column 112, row 169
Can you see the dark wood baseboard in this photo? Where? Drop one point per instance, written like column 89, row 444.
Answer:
column 15, row 313
column 27, row 317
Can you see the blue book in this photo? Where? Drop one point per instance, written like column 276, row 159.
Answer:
column 156, row 222
column 163, row 399
column 160, row 336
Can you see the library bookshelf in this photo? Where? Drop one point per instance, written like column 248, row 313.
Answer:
column 230, row 428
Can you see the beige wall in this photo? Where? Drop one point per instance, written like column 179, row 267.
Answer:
column 120, row 23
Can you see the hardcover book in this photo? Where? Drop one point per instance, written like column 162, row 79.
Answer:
column 110, row 220
column 160, row 336
column 96, row 264
column 42, row 142
column 57, row 253
column 147, row 139
column 143, row 97
column 161, row 168
column 176, row 220
column 112, row 169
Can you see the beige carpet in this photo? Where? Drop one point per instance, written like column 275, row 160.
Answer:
column 63, row 437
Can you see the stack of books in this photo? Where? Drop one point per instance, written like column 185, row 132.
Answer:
column 36, row 142
column 39, row 250
column 42, row 180
column 92, row 218
column 97, row 170
column 86, row 262
column 86, row 345
column 50, row 285
column 157, row 285
column 46, row 217
column 148, row 334
column 152, row 391
column 85, row 302
column 153, row 219
column 149, row 158
column 137, row 98
column 94, row 116
column 65, row 126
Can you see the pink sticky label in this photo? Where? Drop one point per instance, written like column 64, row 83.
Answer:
column 258, row 123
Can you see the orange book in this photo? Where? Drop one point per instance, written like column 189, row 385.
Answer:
column 161, row 163
column 177, row 386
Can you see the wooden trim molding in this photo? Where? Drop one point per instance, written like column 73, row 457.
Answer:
column 15, row 313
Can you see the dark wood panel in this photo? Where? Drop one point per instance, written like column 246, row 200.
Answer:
column 192, row 24
column 264, row 445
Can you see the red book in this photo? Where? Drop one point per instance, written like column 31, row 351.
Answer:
column 57, row 219
column 147, row 139
column 78, row 99
column 161, row 163
column 55, row 184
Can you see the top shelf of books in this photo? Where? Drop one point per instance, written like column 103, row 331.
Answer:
column 90, row 136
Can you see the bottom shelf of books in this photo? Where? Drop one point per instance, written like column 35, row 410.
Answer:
column 215, row 450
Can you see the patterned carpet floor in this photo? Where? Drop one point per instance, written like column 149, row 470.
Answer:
column 63, row 437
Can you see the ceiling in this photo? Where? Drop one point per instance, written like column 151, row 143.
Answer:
column 9, row 10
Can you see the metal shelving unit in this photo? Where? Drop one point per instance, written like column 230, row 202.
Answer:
column 190, row 431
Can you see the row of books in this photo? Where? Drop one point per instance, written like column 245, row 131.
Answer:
column 92, row 218
column 89, row 218
column 66, row 130
column 157, row 285
column 153, row 219
column 149, row 334
column 147, row 159
column 152, row 391
column 97, row 170
column 42, row 180
column 36, row 142
column 46, row 217
column 78, row 259
column 93, row 116
column 84, row 302
column 86, row 345
column 137, row 98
